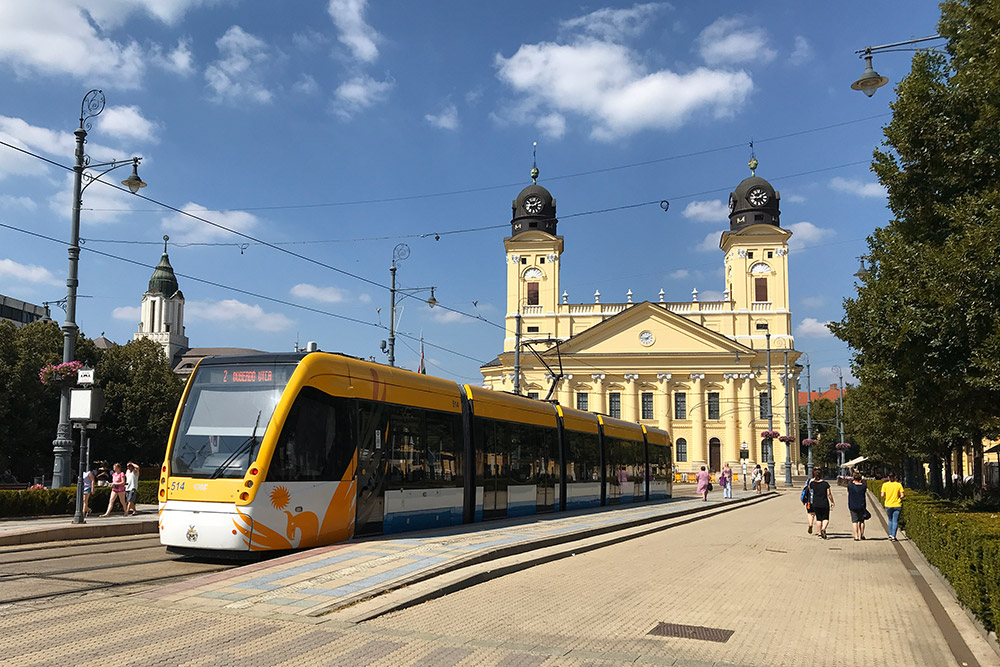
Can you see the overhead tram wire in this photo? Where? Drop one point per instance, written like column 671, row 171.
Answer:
column 486, row 188
column 239, row 290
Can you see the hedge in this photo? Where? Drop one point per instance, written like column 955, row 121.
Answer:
column 964, row 545
column 48, row 502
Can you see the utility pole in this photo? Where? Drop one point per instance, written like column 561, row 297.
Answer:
column 809, row 419
column 517, row 351
column 788, row 445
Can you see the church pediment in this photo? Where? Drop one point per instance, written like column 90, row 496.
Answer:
column 649, row 329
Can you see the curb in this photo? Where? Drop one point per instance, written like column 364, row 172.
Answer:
column 58, row 533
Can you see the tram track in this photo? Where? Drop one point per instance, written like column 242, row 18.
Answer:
column 93, row 587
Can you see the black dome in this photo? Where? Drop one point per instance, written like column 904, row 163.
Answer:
column 163, row 280
column 753, row 202
column 534, row 208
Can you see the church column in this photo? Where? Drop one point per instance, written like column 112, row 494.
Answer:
column 665, row 407
column 597, row 395
column 698, row 449
column 630, row 402
column 566, row 392
column 747, row 413
column 731, row 448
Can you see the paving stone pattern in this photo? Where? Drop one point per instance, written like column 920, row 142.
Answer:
column 789, row 597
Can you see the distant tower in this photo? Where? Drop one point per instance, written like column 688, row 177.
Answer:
column 162, row 319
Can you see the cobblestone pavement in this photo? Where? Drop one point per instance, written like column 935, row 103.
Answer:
column 789, row 598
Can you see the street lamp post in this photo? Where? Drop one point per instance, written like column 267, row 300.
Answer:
column 788, row 443
column 399, row 253
column 92, row 106
column 870, row 80
column 809, row 420
column 840, row 414
column 770, row 404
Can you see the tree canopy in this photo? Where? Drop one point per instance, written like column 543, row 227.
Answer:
column 925, row 325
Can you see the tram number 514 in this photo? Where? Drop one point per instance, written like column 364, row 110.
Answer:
column 176, row 486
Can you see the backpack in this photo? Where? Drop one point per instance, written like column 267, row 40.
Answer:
column 806, row 494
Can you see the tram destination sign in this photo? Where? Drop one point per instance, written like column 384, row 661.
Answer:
column 246, row 374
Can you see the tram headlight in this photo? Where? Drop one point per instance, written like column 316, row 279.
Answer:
column 248, row 483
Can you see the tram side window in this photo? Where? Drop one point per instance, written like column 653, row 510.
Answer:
column 317, row 441
column 424, row 448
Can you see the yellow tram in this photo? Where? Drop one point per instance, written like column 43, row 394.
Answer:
column 287, row 451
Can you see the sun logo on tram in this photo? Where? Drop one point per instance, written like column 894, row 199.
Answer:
column 280, row 497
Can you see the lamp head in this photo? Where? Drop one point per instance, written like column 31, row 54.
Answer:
column 432, row 301
column 870, row 80
column 862, row 272
column 133, row 182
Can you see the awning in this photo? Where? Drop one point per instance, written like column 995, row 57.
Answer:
column 854, row 462
column 995, row 449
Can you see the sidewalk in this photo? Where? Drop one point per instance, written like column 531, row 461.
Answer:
column 34, row 530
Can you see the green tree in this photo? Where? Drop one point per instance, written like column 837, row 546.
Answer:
column 141, row 394
column 29, row 412
column 924, row 324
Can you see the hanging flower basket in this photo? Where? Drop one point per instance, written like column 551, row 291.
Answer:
column 60, row 375
column 770, row 435
column 787, row 438
column 842, row 446
column 810, row 442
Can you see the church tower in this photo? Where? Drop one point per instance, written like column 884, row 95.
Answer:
column 533, row 254
column 756, row 254
column 162, row 317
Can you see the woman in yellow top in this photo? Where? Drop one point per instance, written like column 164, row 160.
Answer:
column 892, row 497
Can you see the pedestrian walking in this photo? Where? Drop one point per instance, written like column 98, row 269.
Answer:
column 822, row 500
column 757, row 477
column 857, row 503
column 704, row 483
column 767, row 478
column 131, row 487
column 892, row 498
column 727, row 486
column 117, row 489
column 89, row 482
column 806, row 498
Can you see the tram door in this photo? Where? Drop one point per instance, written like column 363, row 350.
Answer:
column 372, row 466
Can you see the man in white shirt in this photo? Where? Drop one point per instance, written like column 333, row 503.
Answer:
column 131, row 487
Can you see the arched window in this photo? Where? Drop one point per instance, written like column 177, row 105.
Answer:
column 682, row 450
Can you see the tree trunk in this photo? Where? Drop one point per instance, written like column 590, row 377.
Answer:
column 949, row 485
column 935, row 474
column 977, row 461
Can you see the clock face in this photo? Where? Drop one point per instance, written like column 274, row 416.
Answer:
column 646, row 338
column 757, row 197
column 533, row 205
column 732, row 203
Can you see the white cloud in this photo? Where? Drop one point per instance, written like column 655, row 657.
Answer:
column 446, row 120
column 180, row 60
column 679, row 274
column 31, row 273
column 10, row 201
column 358, row 94
column 614, row 25
column 806, row 234
column 236, row 313
column 127, row 313
column 451, row 317
column 730, row 40
column 235, row 76
column 706, row 211
column 359, row 37
column 309, row 40
column 127, row 122
column 323, row 294
column 184, row 229
column 813, row 301
column 810, row 327
column 793, row 199
column 607, row 84
column 306, row 85
column 858, row 188
column 709, row 295
column 802, row 53
column 101, row 203
column 710, row 243
column 552, row 125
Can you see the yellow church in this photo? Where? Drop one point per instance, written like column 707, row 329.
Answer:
column 697, row 369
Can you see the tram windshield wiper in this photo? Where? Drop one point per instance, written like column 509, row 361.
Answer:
column 245, row 446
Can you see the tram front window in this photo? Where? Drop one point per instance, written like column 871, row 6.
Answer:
column 225, row 417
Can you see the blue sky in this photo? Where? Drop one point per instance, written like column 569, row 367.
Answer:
column 337, row 129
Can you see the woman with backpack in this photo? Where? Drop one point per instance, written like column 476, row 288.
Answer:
column 857, row 502
column 806, row 498
column 821, row 500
